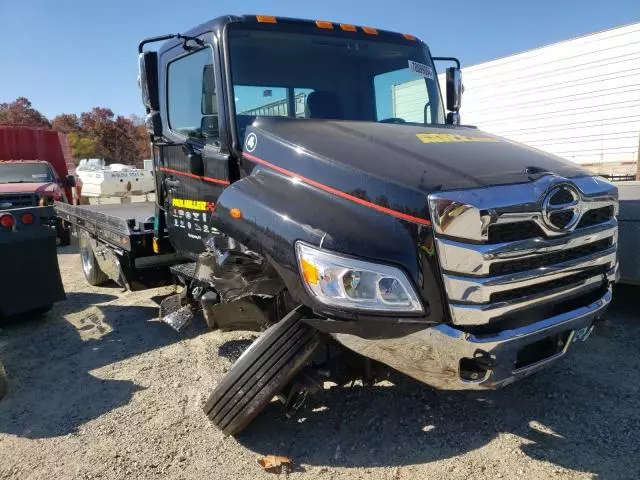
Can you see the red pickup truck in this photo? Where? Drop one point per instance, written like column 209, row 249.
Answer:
column 34, row 171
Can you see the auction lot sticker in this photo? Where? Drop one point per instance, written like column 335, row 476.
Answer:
column 421, row 69
column 452, row 138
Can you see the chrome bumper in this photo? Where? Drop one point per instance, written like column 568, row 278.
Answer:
column 435, row 355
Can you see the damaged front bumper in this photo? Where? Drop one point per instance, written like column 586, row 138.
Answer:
column 450, row 359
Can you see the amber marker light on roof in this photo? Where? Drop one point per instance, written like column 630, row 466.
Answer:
column 348, row 28
column 323, row 24
column 370, row 30
column 409, row 36
column 266, row 19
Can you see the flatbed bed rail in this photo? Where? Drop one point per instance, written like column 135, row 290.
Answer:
column 117, row 224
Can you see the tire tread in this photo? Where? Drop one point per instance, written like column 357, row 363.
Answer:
column 259, row 375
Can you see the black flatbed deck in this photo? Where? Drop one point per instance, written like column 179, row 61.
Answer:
column 113, row 222
column 139, row 211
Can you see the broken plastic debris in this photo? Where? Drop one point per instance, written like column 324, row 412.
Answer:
column 273, row 461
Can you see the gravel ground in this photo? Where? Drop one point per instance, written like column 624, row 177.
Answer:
column 100, row 389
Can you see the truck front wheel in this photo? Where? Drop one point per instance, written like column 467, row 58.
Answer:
column 90, row 267
column 261, row 372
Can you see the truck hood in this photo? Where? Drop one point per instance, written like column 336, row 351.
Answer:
column 47, row 189
column 395, row 165
column 423, row 158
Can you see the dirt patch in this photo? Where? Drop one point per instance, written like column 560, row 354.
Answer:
column 100, row 389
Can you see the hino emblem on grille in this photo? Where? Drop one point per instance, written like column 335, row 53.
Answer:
column 561, row 208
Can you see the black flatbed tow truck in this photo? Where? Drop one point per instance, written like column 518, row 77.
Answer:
column 297, row 195
column 126, row 228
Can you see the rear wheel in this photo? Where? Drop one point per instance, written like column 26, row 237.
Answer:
column 262, row 371
column 90, row 267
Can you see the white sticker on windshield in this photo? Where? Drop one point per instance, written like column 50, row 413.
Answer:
column 39, row 175
column 421, row 69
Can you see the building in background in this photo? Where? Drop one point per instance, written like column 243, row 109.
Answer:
column 278, row 108
column 579, row 99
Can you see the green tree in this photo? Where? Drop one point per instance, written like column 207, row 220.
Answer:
column 81, row 147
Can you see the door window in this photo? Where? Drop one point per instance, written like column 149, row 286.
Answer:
column 192, row 103
column 402, row 94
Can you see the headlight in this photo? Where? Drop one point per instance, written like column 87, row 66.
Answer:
column 346, row 282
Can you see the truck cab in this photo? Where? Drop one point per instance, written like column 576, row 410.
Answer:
column 313, row 185
column 217, row 79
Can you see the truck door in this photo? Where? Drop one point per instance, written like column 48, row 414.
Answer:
column 194, row 168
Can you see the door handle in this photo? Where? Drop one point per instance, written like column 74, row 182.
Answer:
column 171, row 183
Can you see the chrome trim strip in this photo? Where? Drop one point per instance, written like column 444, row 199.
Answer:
column 476, row 259
column 467, row 214
column 541, row 327
column 479, row 290
column 482, row 314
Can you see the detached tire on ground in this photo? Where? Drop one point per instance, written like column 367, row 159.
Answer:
column 261, row 372
column 90, row 267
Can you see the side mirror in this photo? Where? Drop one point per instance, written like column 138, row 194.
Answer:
column 453, row 118
column 70, row 180
column 148, row 80
column 454, row 89
column 196, row 166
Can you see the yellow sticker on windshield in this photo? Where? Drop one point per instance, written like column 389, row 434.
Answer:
column 451, row 137
column 189, row 204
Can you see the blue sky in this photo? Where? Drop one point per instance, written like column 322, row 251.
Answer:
column 71, row 55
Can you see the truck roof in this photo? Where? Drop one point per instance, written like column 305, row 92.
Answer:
column 217, row 25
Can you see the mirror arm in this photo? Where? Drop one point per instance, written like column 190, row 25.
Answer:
column 447, row 59
column 160, row 38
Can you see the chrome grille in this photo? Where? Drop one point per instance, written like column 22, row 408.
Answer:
column 595, row 216
column 503, row 251
column 510, row 232
column 548, row 259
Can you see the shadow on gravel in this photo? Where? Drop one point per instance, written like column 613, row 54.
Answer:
column 50, row 362
column 581, row 414
column 232, row 349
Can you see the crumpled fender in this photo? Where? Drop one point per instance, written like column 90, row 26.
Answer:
column 276, row 211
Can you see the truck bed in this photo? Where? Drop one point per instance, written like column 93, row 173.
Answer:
column 111, row 222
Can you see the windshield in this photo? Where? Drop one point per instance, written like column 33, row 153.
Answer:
column 326, row 76
column 25, row 173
